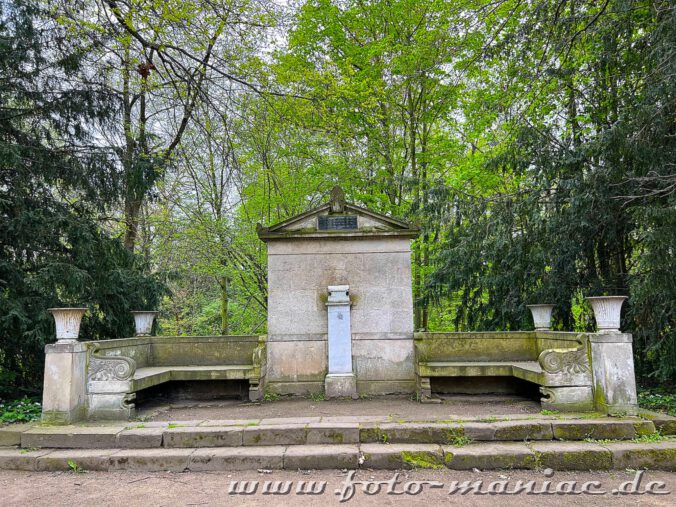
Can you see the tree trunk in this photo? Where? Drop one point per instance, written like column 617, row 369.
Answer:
column 223, row 282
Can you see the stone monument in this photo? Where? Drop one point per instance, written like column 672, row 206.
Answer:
column 340, row 305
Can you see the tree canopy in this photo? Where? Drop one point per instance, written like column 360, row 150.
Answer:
column 533, row 142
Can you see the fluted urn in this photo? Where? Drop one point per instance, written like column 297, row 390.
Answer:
column 67, row 323
column 607, row 311
column 144, row 322
column 542, row 316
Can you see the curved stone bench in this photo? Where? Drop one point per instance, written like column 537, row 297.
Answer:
column 117, row 369
column 563, row 371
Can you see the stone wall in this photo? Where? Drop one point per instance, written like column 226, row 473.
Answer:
column 378, row 272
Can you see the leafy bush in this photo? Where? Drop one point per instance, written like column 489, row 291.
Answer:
column 658, row 399
column 22, row 410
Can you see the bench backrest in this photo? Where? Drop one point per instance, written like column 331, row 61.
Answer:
column 180, row 350
column 492, row 346
column 203, row 350
column 476, row 346
column 139, row 349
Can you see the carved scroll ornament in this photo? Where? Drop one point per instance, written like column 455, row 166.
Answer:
column 571, row 361
column 110, row 367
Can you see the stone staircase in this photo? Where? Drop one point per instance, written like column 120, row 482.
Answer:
column 560, row 443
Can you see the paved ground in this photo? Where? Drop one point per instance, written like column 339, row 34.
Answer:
column 129, row 489
column 453, row 407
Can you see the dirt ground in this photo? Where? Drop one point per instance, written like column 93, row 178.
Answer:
column 453, row 407
column 130, row 489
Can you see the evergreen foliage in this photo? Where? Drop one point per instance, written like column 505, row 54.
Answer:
column 54, row 176
column 589, row 205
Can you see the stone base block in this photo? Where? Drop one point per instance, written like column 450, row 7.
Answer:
column 383, row 387
column 567, row 399
column 340, row 385
column 64, row 417
column 111, row 406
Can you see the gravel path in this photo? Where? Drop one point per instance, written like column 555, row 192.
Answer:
column 128, row 489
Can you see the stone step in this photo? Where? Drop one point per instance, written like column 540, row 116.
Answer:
column 559, row 456
column 272, row 432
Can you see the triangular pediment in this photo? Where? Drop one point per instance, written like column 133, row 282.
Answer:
column 337, row 219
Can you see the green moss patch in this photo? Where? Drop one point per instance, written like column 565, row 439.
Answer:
column 422, row 460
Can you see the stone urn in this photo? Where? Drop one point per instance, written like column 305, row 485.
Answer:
column 542, row 316
column 67, row 323
column 144, row 322
column 607, row 311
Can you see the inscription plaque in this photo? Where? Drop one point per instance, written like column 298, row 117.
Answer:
column 337, row 222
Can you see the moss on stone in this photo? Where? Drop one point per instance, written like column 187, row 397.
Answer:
column 422, row 459
column 336, row 437
column 591, row 460
column 582, row 431
column 518, row 432
column 652, row 459
column 370, row 434
column 644, row 428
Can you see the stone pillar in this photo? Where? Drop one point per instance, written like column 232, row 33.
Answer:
column 64, row 393
column 340, row 381
column 613, row 371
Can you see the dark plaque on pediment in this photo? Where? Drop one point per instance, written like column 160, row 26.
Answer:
column 337, row 222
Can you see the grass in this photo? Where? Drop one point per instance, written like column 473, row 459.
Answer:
column 74, row 467
column 20, row 411
column 317, row 396
column 662, row 399
column 549, row 412
column 270, row 396
column 459, row 440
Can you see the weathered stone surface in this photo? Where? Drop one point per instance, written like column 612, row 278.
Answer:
column 393, row 456
column 666, row 425
column 572, row 456
column 613, row 366
column 315, row 457
column 432, row 433
column 289, row 420
column 360, row 419
column 476, row 347
column 489, row 456
column 232, row 422
column 384, row 357
column 238, row 458
column 288, row 434
column 523, row 430
column 203, row 436
column 64, row 396
column 151, row 460
column 384, row 387
column 20, row 459
column 11, row 435
column 378, row 272
column 178, row 424
column 140, row 438
column 478, row 431
column 568, row 399
column 332, row 433
column 71, row 437
column 579, row 430
column 644, row 427
column 340, row 386
column 282, row 357
column 653, row 456
column 84, row 459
